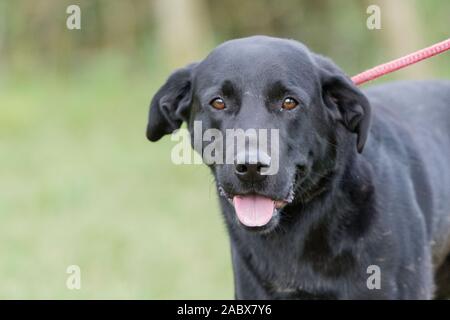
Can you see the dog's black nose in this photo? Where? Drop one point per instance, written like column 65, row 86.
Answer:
column 252, row 170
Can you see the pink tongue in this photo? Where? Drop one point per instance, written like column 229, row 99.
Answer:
column 253, row 210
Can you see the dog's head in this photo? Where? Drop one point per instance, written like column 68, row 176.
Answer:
column 311, row 114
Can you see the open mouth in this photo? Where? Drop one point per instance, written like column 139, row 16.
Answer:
column 254, row 210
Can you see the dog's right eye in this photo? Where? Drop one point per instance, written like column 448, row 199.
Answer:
column 218, row 104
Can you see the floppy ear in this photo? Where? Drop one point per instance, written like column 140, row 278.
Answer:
column 171, row 104
column 352, row 104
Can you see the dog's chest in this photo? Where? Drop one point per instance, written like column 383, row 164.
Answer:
column 302, row 285
column 306, row 271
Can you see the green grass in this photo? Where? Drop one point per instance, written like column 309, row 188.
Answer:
column 80, row 184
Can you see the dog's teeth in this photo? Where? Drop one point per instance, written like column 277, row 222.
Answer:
column 221, row 192
column 291, row 195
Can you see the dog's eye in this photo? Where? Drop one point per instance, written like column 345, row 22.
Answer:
column 218, row 104
column 289, row 103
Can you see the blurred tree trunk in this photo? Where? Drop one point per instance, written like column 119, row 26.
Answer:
column 2, row 30
column 402, row 33
column 119, row 20
column 183, row 29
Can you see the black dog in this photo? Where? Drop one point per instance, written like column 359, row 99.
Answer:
column 336, row 211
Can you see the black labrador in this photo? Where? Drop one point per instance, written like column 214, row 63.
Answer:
column 336, row 221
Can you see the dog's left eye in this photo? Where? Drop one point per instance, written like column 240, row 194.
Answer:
column 289, row 103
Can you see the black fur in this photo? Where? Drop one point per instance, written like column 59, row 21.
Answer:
column 387, row 205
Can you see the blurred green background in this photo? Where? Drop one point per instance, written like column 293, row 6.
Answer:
column 80, row 184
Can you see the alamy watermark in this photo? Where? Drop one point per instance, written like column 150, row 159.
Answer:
column 73, row 281
column 374, row 280
column 373, row 22
column 237, row 146
column 73, row 21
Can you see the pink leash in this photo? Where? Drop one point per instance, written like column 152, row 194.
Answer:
column 402, row 62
